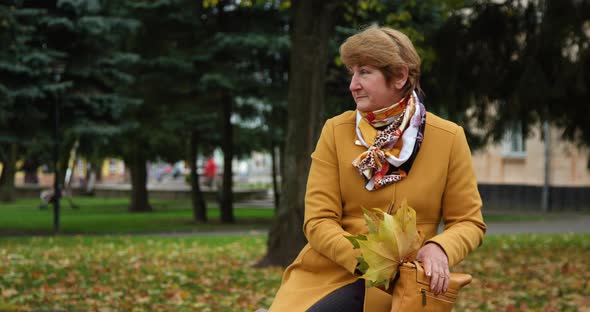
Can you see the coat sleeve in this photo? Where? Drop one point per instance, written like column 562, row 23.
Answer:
column 461, row 205
column 322, row 225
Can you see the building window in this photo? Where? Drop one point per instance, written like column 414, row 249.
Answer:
column 514, row 142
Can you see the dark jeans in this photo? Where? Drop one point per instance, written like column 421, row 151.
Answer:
column 348, row 298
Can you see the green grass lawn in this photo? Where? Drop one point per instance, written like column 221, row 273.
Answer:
column 120, row 273
column 110, row 215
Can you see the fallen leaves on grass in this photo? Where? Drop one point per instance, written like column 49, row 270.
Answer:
column 528, row 273
column 124, row 274
column 511, row 273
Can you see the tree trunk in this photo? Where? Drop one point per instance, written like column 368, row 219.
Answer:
column 282, row 169
column 30, row 167
column 198, row 201
column 74, row 157
column 227, row 210
column 65, row 150
column 8, row 174
column 546, row 191
column 312, row 26
column 139, row 193
column 97, row 166
column 275, row 183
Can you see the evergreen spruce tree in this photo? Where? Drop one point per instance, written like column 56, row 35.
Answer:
column 63, row 58
column 200, row 65
column 27, row 88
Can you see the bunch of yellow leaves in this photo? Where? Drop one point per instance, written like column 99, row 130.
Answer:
column 391, row 239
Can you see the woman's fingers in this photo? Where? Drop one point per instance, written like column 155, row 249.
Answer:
column 436, row 281
column 435, row 264
column 439, row 282
column 447, row 282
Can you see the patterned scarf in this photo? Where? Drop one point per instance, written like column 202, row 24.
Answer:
column 387, row 158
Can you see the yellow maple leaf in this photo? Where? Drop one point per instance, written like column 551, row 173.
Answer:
column 405, row 231
column 390, row 240
column 380, row 261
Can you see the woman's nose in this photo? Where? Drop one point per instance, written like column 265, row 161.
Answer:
column 354, row 84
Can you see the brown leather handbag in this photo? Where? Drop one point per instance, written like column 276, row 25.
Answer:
column 412, row 290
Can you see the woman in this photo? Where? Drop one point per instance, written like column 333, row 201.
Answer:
column 388, row 150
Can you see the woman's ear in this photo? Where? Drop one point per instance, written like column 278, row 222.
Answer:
column 399, row 81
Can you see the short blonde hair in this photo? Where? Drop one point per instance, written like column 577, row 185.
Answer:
column 388, row 50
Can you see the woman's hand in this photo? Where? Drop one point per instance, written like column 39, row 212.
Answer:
column 436, row 265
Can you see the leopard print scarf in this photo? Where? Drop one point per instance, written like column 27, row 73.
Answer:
column 388, row 159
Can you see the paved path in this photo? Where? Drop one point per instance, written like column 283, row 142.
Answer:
column 556, row 224
column 553, row 223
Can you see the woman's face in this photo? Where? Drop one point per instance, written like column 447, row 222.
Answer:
column 370, row 90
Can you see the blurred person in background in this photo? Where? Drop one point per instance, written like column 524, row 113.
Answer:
column 210, row 172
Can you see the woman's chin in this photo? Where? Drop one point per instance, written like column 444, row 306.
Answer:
column 363, row 107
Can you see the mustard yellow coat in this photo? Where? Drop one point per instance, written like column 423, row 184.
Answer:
column 441, row 185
